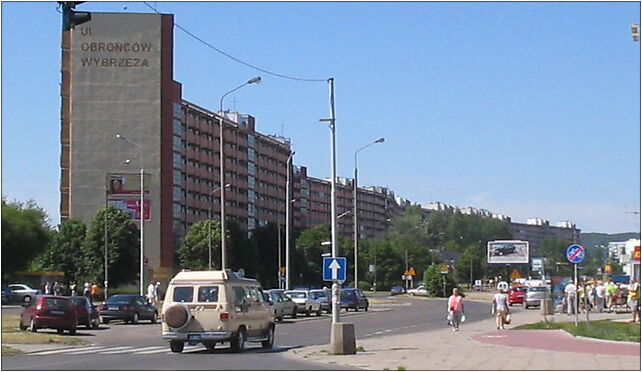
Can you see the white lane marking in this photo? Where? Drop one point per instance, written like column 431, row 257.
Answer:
column 155, row 350
column 494, row 336
column 126, row 349
column 59, row 351
column 95, row 351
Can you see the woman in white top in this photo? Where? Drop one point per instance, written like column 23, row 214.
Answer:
column 500, row 305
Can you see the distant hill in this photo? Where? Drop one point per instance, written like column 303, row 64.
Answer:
column 590, row 240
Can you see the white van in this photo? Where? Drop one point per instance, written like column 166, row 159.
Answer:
column 215, row 306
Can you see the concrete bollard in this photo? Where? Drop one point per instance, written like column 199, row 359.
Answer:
column 342, row 339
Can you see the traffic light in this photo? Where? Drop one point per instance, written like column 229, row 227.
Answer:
column 71, row 18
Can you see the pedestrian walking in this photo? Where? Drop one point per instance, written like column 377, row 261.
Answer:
column 150, row 293
column 47, row 288
column 72, row 288
column 95, row 289
column 571, row 297
column 87, row 290
column 157, row 292
column 600, row 296
column 455, row 309
column 611, row 292
column 634, row 299
column 500, row 308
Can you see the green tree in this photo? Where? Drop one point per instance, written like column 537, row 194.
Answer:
column 436, row 283
column 389, row 264
column 471, row 259
column 193, row 253
column 25, row 235
column 123, row 254
column 65, row 251
column 242, row 251
column 266, row 240
column 554, row 250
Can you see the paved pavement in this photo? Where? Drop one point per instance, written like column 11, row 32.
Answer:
column 479, row 346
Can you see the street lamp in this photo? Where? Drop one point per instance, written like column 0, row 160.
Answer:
column 355, row 212
column 280, row 277
column 288, row 205
column 209, row 225
column 255, row 80
column 141, row 209
column 106, row 283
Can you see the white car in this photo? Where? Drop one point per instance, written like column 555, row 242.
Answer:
column 22, row 293
column 305, row 303
column 419, row 291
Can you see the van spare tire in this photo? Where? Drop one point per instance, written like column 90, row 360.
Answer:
column 177, row 315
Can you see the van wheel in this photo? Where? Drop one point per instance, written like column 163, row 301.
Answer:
column 269, row 341
column 237, row 343
column 176, row 346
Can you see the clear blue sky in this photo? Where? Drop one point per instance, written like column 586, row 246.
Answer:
column 525, row 109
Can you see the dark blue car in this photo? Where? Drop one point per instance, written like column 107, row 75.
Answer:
column 352, row 298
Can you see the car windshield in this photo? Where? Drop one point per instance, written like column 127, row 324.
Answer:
column 297, row 294
column 119, row 299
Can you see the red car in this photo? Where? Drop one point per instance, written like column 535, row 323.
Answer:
column 49, row 312
column 516, row 295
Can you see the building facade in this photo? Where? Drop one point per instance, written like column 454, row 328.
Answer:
column 123, row 114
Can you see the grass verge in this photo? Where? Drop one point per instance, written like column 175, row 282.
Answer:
column 6, row 350
column 12, row 335
column 602, row 329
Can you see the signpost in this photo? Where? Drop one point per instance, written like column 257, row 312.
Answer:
column 575, row 254
column 334, row 269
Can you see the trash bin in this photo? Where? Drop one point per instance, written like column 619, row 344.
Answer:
column 546, row 306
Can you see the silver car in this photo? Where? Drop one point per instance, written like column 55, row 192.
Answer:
column 22, row 292
column 281, row 304
column 533, row 296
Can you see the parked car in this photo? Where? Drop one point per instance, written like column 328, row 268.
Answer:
column 281, row 304
column 516, row 295
column 419, row 291
column 45, row 311
column 128, row 307
column 22, row 292
column 305, row 304
column 352, row 298
column 322, row 296
column 215, row 306
column 86, row 312
column 504, row 250
column 533, row 296
column 397, row 290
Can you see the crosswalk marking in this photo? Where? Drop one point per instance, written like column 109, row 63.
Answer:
column 100, row 351
column 126, row 349
column 59, row 351
column 149, row 350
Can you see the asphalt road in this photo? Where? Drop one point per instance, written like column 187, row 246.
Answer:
column 120, row 346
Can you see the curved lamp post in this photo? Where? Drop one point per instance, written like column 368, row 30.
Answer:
column 354, row 212
column 254, row 80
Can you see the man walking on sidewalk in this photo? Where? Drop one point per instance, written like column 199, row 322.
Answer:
column 571, row 297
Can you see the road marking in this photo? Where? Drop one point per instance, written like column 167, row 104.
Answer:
column 156, row 349
column 59, row 351
column 190, row 349
column 494, row 336
column 107, row 349
column 125, row 349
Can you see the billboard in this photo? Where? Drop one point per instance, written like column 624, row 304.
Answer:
column 508, row 252
column 126, row 184
column 132, row 207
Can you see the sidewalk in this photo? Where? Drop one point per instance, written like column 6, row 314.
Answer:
column 478, row 346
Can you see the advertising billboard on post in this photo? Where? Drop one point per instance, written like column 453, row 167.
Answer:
column 508, row 252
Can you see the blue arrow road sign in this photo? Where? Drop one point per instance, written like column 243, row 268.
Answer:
column 575, row 253
column 334, row 268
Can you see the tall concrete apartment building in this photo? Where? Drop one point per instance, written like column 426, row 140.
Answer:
column 117, row 79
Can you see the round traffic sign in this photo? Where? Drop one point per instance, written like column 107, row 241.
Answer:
column 575, row 253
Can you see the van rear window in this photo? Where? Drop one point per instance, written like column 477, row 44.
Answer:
column 183, row 294
column 207, row 293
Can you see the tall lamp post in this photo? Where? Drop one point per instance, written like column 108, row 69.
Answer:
column 288, row 205
column 106, row 283
column 355, row 211
column 141, row 210
column 209, row 225
column 222, row 167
